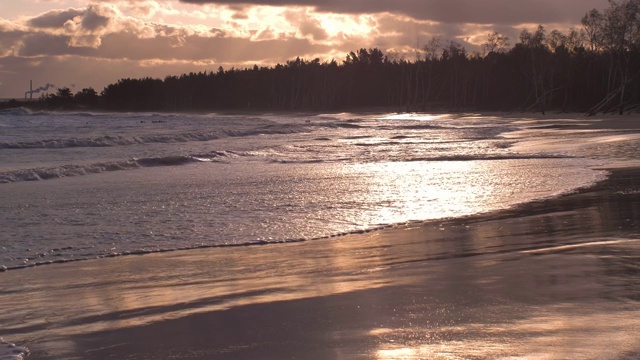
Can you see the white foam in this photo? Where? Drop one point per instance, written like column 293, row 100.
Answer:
column 415, row 116
column 116, row 140
column 561, row 248
column 69, row 170
column 9, row 351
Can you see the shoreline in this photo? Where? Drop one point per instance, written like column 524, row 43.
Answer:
column 552, row 278
column 421, row 290
column 259, row 243
column 549, row 114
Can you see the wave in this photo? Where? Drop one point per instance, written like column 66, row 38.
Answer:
column 67, row 255
column 402, row 137
column 342, row 125
column 398, row 140
column 22, row 111
column 356, row 137
column 18, row 111
column 9, row 351
column 488, row 157
column 411, row 127
column 109, row 140
column 389, row 143
column 37, row 174
column 297, row 161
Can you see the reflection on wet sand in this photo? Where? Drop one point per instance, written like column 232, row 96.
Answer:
column 569, row 304
column 552, row 332
column 555, row 279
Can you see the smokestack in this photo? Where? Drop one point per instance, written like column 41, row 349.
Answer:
column 39, row 89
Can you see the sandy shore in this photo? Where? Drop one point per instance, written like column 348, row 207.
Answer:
column 556, row 279
column 552, row 279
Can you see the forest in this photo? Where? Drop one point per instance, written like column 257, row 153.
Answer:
column 593, row 69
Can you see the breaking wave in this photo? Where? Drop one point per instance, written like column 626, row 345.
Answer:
column 109, row 140
column 46, row 173
column 488, row 157
column 9, row 351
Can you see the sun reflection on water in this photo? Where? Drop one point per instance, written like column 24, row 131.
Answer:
column 416, row 191
column 415, row 116
column 401, row 192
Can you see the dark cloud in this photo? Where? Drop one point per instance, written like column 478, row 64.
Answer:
column 91, row 19
column 219, row 49
column 38, row 44
column 9, row 39
column 95, row 19
column 463, row 11
column 125, row 45
column 238, row 15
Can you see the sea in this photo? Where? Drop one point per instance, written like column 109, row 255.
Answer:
column 83, row 185
column 87, row 185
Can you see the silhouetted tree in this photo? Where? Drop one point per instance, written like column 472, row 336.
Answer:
column 87, row 96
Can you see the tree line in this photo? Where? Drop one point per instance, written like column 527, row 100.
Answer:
column 592, row 69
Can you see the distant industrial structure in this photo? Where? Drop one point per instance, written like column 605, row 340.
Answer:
column 29, row 94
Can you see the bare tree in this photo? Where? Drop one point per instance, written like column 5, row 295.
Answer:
column 592, row 25
column 617, row 33
column 537, row 66
column 496, row 43
column 432, row 53
column 574, row 40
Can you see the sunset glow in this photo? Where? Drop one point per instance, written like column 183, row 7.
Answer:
column 79, row 43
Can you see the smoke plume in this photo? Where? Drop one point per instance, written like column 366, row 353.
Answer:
column 39, row 89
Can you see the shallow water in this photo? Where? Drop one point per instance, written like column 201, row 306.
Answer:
column 82, row 185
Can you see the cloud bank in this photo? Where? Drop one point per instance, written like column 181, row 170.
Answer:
column 505, row 12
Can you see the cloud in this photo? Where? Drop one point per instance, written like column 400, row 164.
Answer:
column 92, row 18
column 10, row 41
column 96, row 18
column 458, row 11
column 308, row 26
column 44, row 45
column 178, row 46
column 55, row 18
column 84, row 27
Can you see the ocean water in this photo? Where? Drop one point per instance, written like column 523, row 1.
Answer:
column 77, row 186
column 9, row 351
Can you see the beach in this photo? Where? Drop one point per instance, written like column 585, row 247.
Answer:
column 551, row 279
column 555, row 278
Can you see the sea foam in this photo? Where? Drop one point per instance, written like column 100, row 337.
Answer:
column 117, row 140
column 9, row 351
column 47, row 173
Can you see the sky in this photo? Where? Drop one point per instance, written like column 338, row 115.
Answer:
column 80, row 43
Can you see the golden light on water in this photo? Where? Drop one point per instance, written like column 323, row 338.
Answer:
column 415, row 117
column 412, row 191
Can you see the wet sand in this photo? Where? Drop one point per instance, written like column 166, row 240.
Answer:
column 557, row 279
